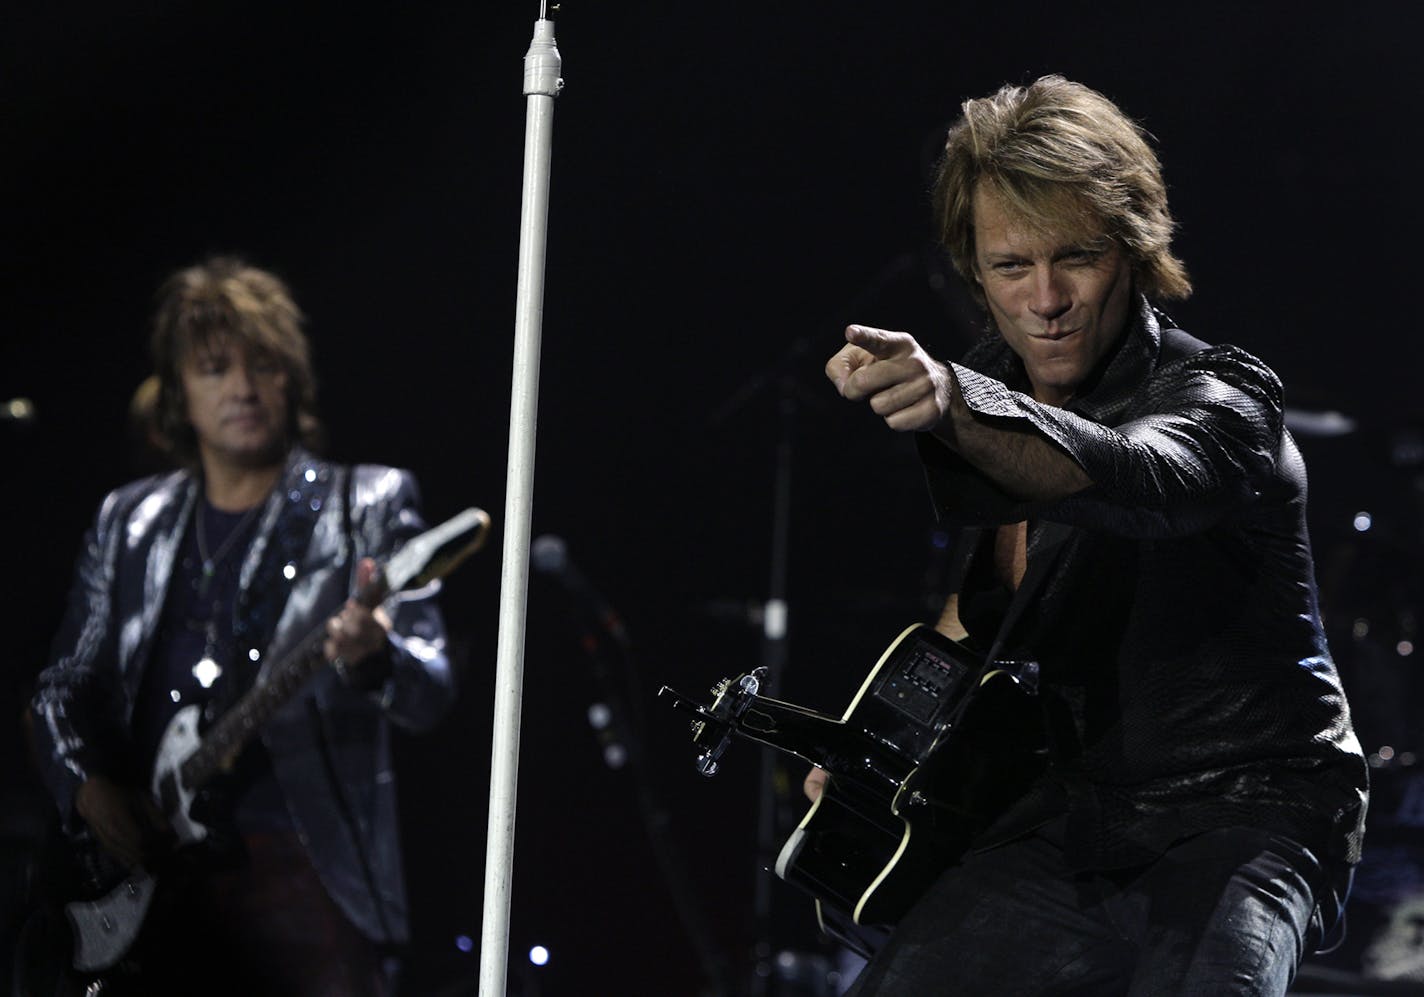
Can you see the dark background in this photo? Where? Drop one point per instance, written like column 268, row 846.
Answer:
column 732, row 184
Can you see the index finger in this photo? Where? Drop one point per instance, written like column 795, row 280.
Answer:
column 845, row 363
column 880, row 343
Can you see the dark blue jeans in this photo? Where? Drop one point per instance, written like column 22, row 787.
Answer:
column 1228, row 912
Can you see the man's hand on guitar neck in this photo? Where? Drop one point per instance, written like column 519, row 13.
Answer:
column 815, row 783
column 127, row 822
column 357, row 644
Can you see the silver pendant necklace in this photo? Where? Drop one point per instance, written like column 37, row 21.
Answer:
column 207, row 670
column 210, row 561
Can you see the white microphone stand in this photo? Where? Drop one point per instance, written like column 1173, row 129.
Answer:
column 541, row 85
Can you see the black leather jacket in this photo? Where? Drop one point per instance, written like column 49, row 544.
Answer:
column 330, row 746
column 1172, row 606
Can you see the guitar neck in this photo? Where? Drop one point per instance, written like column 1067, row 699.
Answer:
column 234, row 729
column 812, row 735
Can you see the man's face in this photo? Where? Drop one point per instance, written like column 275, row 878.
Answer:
column 237, row 403
column 1061, row 302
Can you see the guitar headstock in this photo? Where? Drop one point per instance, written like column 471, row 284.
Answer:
column 437, row 551
column 713, row 729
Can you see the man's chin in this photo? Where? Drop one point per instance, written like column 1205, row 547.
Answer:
column 255, row 454
column 1055, row 381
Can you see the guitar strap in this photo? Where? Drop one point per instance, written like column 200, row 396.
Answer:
column 1045, row 541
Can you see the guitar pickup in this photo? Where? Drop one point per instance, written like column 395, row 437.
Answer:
column 922, row 683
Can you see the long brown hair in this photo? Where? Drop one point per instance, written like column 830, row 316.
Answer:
column 218, row 299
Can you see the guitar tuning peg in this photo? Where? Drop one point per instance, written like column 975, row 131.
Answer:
column 721, row 687
column 697, row 727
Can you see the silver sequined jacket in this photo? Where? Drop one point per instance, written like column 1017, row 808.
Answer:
column 329, row 746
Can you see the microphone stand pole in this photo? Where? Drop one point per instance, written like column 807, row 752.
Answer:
column 773, row 657
column 541, row 85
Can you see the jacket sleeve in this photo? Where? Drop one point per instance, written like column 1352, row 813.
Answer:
column 421, row 686
column 78, row 702
column 1199, row 441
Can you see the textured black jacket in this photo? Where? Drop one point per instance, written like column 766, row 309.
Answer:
column 1172, row 605
column 330, row 746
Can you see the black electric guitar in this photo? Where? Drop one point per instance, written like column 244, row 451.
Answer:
column 189, row 757
column 934, row 746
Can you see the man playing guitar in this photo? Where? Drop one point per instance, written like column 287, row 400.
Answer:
column 1132, row 519
column 189, row 588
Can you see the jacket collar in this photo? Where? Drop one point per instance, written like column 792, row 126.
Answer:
column 302, row 485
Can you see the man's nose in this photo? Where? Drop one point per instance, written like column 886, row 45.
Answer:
column 1050, row 294
column 241, row 380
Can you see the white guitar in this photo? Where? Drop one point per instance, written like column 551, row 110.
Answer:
column 106, row 927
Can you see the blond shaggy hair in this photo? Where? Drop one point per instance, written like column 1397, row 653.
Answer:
column 1063, row 158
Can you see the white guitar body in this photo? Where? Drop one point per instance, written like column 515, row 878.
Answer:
column 105, row 928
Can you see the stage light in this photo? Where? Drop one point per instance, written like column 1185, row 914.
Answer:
column 539, row 955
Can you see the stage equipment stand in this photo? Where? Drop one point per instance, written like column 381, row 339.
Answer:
column 774, row 656
column 541, row 86
column 775, row 619
column 617, row 718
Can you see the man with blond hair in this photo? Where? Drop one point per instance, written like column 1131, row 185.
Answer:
column 1132, row 519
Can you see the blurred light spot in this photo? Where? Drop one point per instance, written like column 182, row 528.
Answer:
column 1405, row 648
column 289, row 571
column 599, row 716
column 1363, row 521
column 464, row 943
column 539, row 955
column 1386, row 752
column 773, row 623
column 174, row 695
column 253, row 654
column 615, row 755
column 1361, row 629
column 940, row 539
column 310, row 475
column 206, row 672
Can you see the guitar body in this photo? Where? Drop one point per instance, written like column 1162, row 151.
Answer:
column 181, row 740
column 106, row 927
column 934, row 746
